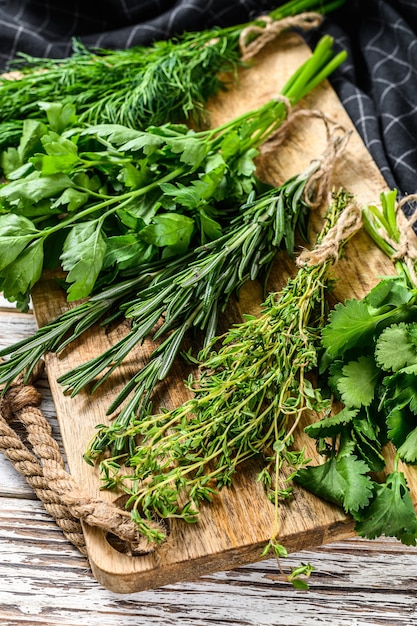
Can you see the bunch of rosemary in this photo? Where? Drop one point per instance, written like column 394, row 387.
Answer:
column 247, row 403
column 142, row 86
column 187, row 291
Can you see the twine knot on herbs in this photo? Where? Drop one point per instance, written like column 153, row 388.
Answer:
column 406, row 246
column 349, row 222
column 318, row 187
column 255, row 37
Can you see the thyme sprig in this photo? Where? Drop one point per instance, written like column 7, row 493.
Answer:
column 193, row 297
column 247, row 403
column 169, row 81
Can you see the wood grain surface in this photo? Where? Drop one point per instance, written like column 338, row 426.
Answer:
column 233, row 529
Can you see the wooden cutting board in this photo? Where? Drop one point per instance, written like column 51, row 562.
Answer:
column 234, row 528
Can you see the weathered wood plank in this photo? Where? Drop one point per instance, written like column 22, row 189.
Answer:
column 15, row 326
column 44, row 581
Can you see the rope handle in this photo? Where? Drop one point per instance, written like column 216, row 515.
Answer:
column 41, row 463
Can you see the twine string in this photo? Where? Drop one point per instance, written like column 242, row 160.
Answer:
column 255, row 37
column 349, row 222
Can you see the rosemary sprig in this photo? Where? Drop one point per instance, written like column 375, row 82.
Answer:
column 141, row 86
column 194, row 286
column 247, row 403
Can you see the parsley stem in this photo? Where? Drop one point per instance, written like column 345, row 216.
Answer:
column 119, row 201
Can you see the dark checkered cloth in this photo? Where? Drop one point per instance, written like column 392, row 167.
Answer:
column 378, row 85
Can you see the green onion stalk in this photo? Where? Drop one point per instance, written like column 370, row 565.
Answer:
column 390, row 229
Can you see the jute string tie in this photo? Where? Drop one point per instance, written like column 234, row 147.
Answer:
column 406, row 247
column 41, row 463
column 319, row 184
column 255, row 37
column 349, row 222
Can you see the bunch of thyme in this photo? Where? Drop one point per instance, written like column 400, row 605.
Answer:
column 247, row 403
column 141, row 86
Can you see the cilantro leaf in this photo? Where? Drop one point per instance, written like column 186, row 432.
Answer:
column 368, row 449
column 408, row 450
column 357, row 382
column 82, row 257
column 392, row 291
column 399, row 423
column 391, row 512
column 349, row 324
column 331, row 426
column 394, row 348
column 343, row 481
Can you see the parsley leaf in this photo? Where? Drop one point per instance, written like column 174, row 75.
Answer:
column 82, row 257
column 19, row 276
column 169, row 229
column 16, row 232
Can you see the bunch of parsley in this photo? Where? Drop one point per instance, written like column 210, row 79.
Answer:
column 370, row 366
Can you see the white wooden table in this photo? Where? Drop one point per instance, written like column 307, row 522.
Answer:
column 45, row 581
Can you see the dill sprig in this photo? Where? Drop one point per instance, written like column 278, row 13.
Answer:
column 145, row 85
column 247, row 403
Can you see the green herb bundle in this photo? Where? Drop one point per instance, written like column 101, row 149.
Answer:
column 370, row 366
column 169, row 81
column 103, row 199
column 186, row 292
column 247, row 403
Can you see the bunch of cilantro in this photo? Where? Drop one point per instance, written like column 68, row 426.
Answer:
column 369, row 365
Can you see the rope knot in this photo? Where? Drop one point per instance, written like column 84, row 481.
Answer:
column 19, row 397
